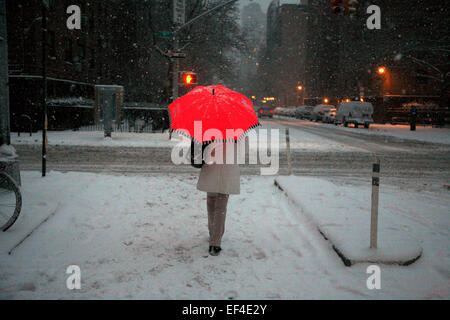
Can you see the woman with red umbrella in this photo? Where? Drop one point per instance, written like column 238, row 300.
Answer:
column 216, row 119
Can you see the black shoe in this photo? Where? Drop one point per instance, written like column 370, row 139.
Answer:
column 214, row 251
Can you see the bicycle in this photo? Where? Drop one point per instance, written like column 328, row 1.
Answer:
column 10, row 201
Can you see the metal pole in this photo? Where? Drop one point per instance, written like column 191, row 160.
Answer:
column 374, row 211
column 288, row 152
column 44, row 88
column 5, row 137
column 303, row 95
column 175, row 70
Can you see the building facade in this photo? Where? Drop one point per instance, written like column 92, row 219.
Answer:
column 253, row 22
column 337, row 56
column 114, row 46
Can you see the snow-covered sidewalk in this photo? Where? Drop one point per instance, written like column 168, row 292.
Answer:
column 401, row 132
column 300, row 140
column 146, row 237
column 347, row 228
column 97, row 139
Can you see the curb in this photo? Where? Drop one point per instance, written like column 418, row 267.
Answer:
column 346, row 260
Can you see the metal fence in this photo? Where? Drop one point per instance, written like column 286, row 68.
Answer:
column 138, row 126
column 136, row 119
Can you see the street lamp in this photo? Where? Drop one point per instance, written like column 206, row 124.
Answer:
column 45, row 6
column 302, row 93
column 325, row 100
column 381, row 70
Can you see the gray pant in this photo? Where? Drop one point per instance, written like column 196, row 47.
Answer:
column 217, row 211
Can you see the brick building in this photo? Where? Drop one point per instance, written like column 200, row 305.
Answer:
column 114, row 46
column 253, row 22
column 287, row 34
column 337, row 56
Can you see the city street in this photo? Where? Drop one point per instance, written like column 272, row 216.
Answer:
column 316, row 150
column 224, row 150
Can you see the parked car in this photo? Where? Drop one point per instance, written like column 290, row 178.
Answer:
column 319, row 110
column 278, row 111
column 285, row 112
column 329, row 116
column 265, row 111
column 303, row 112
column 290, row 112
column 355, row 112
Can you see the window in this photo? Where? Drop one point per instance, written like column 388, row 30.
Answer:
column 51, row 44
column 68, row 52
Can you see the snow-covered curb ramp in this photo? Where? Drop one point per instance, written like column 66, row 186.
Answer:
column 342, row 215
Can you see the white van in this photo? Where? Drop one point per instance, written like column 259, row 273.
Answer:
column 355, row 112
column 319, row 110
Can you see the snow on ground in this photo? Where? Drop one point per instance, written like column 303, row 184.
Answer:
column 146, row 237
column 7, row 151
column 97, row 139
column 299, row 140
column 326, row 205
column 422, row 133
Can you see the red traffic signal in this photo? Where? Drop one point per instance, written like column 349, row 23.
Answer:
column 188, row 78
column 350, row 6
column 337, row 7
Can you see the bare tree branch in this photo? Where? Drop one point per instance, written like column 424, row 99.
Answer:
column 420, row 61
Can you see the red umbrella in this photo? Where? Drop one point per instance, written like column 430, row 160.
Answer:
column 212, row 113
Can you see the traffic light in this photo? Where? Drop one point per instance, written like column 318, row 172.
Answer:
column 188, row 78
column 337, row 7
column 350, row 6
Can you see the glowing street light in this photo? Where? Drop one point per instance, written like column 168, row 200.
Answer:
column 325, row 100
column 381, row 70
column 299, row 88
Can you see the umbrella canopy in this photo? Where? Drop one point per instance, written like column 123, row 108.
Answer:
column 212, row 113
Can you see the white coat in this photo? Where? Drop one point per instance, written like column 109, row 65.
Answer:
column 221, row 177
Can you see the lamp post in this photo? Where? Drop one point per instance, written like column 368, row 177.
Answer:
column 301, row 91
column 44, row 86
column 381, row 72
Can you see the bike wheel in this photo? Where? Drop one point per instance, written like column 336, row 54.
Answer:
column 10, row 201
